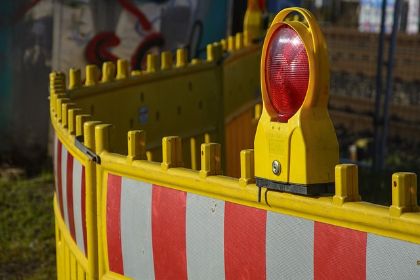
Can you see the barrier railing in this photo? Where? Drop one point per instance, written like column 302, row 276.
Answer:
column 131, row 214
column 164, row 221
column 75, row 200
column 73, row 111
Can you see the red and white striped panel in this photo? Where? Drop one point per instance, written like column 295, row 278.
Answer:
column 70, row 188
column 155, row 232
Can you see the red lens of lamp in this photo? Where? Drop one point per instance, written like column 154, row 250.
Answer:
column 286, row 72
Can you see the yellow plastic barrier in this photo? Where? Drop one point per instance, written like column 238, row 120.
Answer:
column 75, row 196
column 74, row 109
column 150, row 217
column 142, row 198
column 137, row 99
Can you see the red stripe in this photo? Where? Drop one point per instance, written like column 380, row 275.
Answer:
column 113, row 224
column 339, row 253
column 168, row 233
column 244, row 242
column 70, row 210
column 55, row 162
column 84, row 210
column 59, row 185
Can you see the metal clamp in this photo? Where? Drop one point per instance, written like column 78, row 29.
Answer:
column 78, row 141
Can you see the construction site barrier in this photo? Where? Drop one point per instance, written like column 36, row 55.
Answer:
column 175, row 223
column 72, row 110
column 74, row 200
column 125, row 208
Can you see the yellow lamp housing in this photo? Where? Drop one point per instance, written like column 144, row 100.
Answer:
column 298, row 154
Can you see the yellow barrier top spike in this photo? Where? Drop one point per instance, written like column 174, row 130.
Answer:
column 73, row 112
column 92, row 75
column 102, row 138
column 181, row 57
column 135, row 73
column 59, row 107
column 136, row 145
column 404, row 193
column 57, row 82
column 166, row 60
column 224, row 44
column 295, row 144
column 171, row 152
column 152, row 63
column 75, row 80
column 231, row 44
column 80, row 121
column 122, row 69
column 210, row 159
column 89, row 134
column 239, row 41
column 65, row 107
column 247, row 167
column 346, row 184
column 108, row 71
column 210, row 52
column 195, row 61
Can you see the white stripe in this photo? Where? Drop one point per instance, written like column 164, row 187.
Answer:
column 205, row 237
column 289, row 247
column 64, row 184
column 77, row 204
column 55, row 161
column 388, row 258
column 136, row 229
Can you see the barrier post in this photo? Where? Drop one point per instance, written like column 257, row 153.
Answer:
column 210, row 159
column 247, row 167
column 65, row 107
column 89, row 134
column 193, row 148
column 166, row 60
column 122, row 69
column 59, row 107
column 73, row 112
column 171, row 152
column 92, row 75
column 181, row 58
column 239, row 41
column 404, row 193
column 152, row 63
column 80, row 122
column 136, row 145
column 75, row 80
column 108, row 71
column 102, row 138
column 346, row 184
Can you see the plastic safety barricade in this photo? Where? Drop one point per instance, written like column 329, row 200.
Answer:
column 74, row 200
column 293, row 212
column 175, row 223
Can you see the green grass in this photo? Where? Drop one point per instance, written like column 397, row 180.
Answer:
column 27, row 239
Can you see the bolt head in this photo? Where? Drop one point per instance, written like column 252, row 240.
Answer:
column 276, row 168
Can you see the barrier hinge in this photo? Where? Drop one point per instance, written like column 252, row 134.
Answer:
column 78, row 141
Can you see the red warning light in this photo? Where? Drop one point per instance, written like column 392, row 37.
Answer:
column 287, row 72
